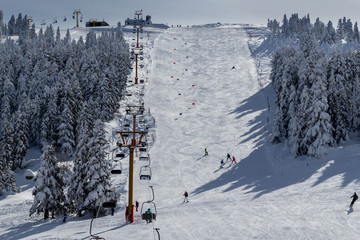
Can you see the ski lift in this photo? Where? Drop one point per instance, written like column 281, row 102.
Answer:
column 64, row 20
column 74, row 16
column 141, row 58
column 43, row 22
column 110, row 204
column 126, row 125
column 145, row 173
column 132, row 57
column 81, row 17
column 141, row 65
column 117, row 170
column 120, row 155
column 54, row 21
column 144, row 157
column 142, row 149
column 151, row 207
column 117, row 156
column 141, row 80
column 143, row 144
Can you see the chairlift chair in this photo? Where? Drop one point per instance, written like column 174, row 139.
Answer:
column 144, row 157
column 149, row 217
column 120, row 155
column 64, row 20
column 117, row 170
column 116, row 155
column 143, row 149
column 109, row 204
column 145, row 173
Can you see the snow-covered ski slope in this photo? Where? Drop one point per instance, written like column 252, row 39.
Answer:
column 198, row 101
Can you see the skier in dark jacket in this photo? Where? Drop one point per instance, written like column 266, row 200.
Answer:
column 186, row 196
column 354, row 197
column 228, row 157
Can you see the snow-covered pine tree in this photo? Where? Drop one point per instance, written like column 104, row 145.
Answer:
column 65, row 129
column 7, row 180
column 318, row 135
column 20, row 140
column 49, row 182
column 98, row 170
column 76, row 191
column 338, row 98
column 11, row 26
column 1, row 23
column 289, row 77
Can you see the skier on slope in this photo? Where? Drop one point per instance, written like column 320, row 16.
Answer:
column 233, row 160
column 222, row 163
column 228, row 157
column 354, row 197
column 186, row 197
column 206, row 152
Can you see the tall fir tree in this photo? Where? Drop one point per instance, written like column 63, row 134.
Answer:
column 49, row 183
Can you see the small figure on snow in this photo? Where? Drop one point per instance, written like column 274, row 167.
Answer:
column 137, row 205
column 112, row 211
column 65, row 216
column 354, row 197
column 233, row 160
column 206, row 152
column 233, row 67
column 186, row 197
column 222, row 163
column 228, row 157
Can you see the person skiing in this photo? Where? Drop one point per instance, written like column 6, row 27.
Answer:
column 222, row 163
column 233, row 160
column 206, row 152
column 228, row 157
column 186, row 196
column 137, row 205
column 354, row 197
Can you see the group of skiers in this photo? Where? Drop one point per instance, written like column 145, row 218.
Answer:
column 228, row 158
column 222, row 162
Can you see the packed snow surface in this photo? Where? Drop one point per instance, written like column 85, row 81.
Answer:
column 197, row 100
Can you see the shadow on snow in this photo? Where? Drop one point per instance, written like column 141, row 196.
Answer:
column 271, row 167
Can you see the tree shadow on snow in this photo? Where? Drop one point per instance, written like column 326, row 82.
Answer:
column 26, row 230
column 271, row 167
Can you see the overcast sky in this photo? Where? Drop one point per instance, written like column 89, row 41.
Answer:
column 184, row 11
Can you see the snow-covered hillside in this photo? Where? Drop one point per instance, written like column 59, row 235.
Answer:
column 197, row 100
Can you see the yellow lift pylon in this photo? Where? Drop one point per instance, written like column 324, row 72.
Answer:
column 76, row 14
column 131, row 144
